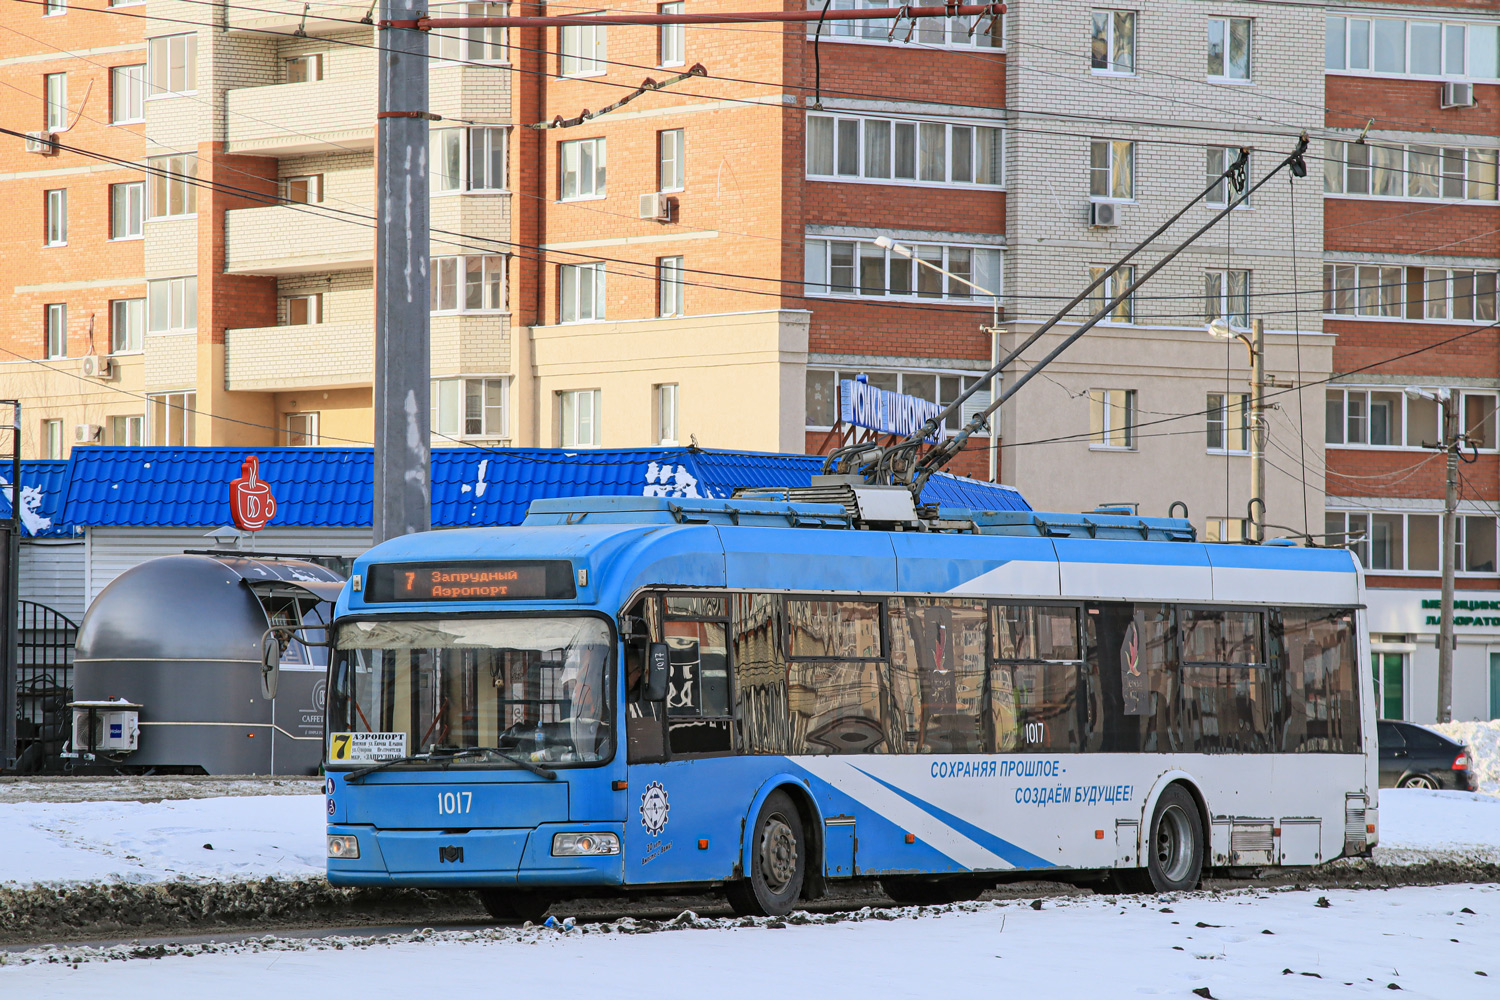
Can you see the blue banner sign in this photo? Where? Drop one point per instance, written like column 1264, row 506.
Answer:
column 863, row 405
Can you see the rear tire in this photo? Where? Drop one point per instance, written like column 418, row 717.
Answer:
column 778, row 862
column 1419, row 781
column 918, row 891
column 1174, row 850
column 514, row 905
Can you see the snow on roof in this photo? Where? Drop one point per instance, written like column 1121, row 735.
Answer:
column 42, row 486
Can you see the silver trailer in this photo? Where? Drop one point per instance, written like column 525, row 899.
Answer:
column 181, row 636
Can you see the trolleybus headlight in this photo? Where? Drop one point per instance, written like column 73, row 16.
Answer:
column 343, row 846
column 573, row 845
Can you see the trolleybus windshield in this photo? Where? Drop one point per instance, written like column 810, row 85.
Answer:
column 534, row 687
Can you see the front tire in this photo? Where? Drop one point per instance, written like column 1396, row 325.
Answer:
column 1174, row 859
column 514, row 906
column 778, row 861
column 1419, row 781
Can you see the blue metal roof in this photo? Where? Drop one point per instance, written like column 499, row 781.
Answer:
column 330, row 487
column 43, row 484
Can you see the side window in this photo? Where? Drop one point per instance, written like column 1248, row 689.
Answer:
column 1034, row 679
column 645, row 733
column 1322, row 688
column 1131, row 660
column 1226, row 688
column 1390, row 737
column 837, row 695
column 698, row 690
column 758, row 631
column 937, row 675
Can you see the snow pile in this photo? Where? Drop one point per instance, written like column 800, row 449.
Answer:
column 1439, row 942
column 230, row 837
column 1483, row 739
column 1417, row 825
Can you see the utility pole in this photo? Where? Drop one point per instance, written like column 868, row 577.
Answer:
column 1451, row 443
column 9, row 673
column 403, row 484
column 1257, row 431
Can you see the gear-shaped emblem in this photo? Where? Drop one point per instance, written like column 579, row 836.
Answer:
column 654, row 808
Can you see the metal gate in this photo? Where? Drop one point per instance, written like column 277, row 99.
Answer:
column 44, row 683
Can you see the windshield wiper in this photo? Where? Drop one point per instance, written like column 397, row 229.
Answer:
column 448, row 755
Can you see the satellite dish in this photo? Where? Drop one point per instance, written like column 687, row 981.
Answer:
column 270, row 665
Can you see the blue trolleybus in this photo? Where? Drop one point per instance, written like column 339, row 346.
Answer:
column 763, row 697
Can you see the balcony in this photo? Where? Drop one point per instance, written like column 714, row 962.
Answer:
column 281, row 239
column 290, row 118
column 315, row 356
column 288, row 16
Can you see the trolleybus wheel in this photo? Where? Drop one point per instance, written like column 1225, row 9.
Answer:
column 1174, row 850
column 778, row 862
column 511, row 904
column 918, row 891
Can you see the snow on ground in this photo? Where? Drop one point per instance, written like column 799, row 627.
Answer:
column 1441, row 942
column 282, row 835
column 1483, row 739
column 252, row 837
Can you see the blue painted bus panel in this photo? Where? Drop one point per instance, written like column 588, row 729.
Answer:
column 850, row 561
column 495, row 799
column 974, row 564
column 485, row 853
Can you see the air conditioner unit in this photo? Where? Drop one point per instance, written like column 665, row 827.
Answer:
column 657, row 206
column 95, row 366
column 1457, row 95
column 40, row 142
column 1105, row 214
column 87, row 433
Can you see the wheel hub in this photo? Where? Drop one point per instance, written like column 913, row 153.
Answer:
column 778, row 853
column 1173, row 849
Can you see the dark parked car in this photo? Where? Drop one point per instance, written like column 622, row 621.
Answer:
column 1413, row 756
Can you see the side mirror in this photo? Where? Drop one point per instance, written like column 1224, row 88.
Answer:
column 658, row 667
column 270, row 664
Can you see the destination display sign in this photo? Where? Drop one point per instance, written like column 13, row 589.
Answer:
column 472, row 580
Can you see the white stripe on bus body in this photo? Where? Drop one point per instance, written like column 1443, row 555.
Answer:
column 1019, row 576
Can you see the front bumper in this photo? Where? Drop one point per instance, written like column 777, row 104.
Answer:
column 472, row 858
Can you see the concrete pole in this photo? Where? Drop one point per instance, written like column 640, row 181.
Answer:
column 9, row 703
column 1257, row 431
column 1451, row 442
column 403, row 485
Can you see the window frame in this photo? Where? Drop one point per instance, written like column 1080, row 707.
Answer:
column 978, row 132
column 598, row 176
column 818, row 249
column 879, row 31
column 161, row 86
column 671, row 160
column 133, row 314
column 671, row 294
column 1112, row 21
column 1401, row 420
column 55, row 101
column 55, row 217
column 310, row 60
column 312, row 308
column 309, row 431
column 583, row 36
column 1223, row 303
column 1226, row 24
column 592, row 274
column 668, row 396
column 184, row 290
column 493, row 284
column 1101, row 401
column 308, row 183
column 465, row 40
column 1349, row 515
column 1345, row 47
column 1123, row 314
column 1478, row 160
column 53, row 442
column 135, row 429
column 130, row 80
column 1223, row 409
column 134, row 195
column 1112, row 170
column 671, row 39
column 451, row 398
column 486, row 149
column 54, row 331
column 160, row 429
column 168, row 178
column 568, row 436
column 1224, row 192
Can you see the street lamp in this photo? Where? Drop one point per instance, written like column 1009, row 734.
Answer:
column 1219, row 328
column 886, row 243
column 1451, row 442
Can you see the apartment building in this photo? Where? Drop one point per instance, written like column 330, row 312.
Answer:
column 1411, row 255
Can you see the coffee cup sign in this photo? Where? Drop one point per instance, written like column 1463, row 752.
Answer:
column 250, row 499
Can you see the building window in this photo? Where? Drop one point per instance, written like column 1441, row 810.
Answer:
column 1412, row 542
column 671, row 38
column 127, row 430
column 1363, row 290
column 53, row 7
column 303, row 310
column 1116, row 283
column 170, row 418
column 670, row 287
column 1112, row 419
column 1225, row 529
column 487, row 159
column 1112, row 48
column 174, row 186
column 468, row 284
column 1430, row 48
column 581, row 292
column 666, row 414
column 306, row 189
column 127, row 325
column 447, row 159
column 890, row 151
column 1226, row 294
column 469, row 44
column 470, row 407
column 671, row 164
column 578, row 416
column 1386, row 170
column 942, row 32
column 127, row 94
column 846, row 267
column 1220, row 159
column 1228, row 428
column 56, row 232
column 172, row 65
column 824, row 386
column 1229, row 48
column 1452, row 293
column 1111, row 170
column 127, row 210
column 583, row 50
column 304, row 69
column 1388, row 418
column 172, row 305
column 52, row 438
column 582, row 168
column 301, row 430
column 57, row 101
column 56, row 330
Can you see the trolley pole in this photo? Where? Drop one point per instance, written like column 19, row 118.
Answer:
column 1451, row 443
column 403, row 485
